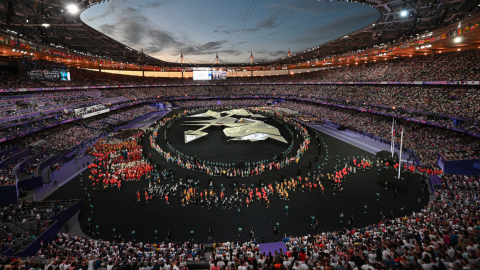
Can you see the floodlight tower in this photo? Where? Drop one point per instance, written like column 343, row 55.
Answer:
column 216, row 59
column 251, row 58
column 289, row 53
column 181, row 57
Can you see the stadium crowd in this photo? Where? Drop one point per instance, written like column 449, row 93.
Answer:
column 424, row 141
column 444, row 235
column 25, row 112
column 26, row 212
column 7, row 180
column 432, row 104
column 210, row 103
column 65, row 136
column 455, row 66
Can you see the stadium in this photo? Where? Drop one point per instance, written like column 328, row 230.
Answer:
column 328, row 135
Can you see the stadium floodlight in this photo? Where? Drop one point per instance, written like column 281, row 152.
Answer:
column 404, row 13
column 72, row 8
column 457, row 39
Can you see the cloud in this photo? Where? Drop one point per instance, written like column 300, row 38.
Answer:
column 212, row 45
column 234, row 31
column 110, row 9
column 136, row 30
column 277, row 53
column 212, row 48
column 332, row 29
column 131, row 27
column 153, row 4
column 304, row 6
column 271, row 21
column 141, row 25
column 107, row 28
column 270, row 53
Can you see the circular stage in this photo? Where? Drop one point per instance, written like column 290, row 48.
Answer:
column 217, row 147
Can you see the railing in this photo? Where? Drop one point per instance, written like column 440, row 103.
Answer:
column 60, row 216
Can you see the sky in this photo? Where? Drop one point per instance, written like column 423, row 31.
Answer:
column 233, row 29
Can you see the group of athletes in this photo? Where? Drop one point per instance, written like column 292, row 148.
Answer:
column 116, row 160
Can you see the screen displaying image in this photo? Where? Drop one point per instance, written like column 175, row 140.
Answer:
column 201, row 75
column 54, row 75
column 65, row 76
column 219, row 75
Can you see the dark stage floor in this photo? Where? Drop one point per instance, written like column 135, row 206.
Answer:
column 120, row 209
column 215, row 147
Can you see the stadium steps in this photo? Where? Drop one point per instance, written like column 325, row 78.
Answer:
column 36, row 149
column 107, row 123
column 82, row 125
column 23, row 176
column 356, row 112
column 39, row 149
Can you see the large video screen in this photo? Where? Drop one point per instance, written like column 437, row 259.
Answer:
column 219, row 75
column 208, row 75
column 65, row 75
column 54, row 75
column 201, row 75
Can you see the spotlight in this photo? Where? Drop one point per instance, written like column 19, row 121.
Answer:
column 72, row 8
column 457, row 39
column 403, row 13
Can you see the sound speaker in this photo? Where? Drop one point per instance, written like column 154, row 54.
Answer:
column 241, row 164
column 260, row 181
column 187, row 177
column 319, row 151
column 195, row 160
column 282, row 177
column 341, row 128
column 310, row 165
column 280, row 156
column 299, row 172
column 316, row 158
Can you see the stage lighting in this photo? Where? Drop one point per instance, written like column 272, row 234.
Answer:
column 457, row 39
column 403, row 13
column 72, row 8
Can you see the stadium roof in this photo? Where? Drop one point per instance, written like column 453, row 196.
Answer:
column 48, row 22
